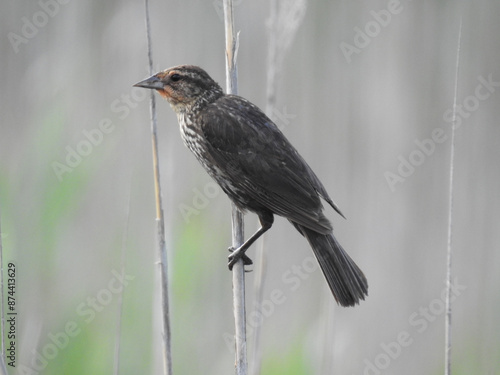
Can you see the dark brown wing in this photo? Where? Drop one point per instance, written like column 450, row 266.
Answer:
column 257, row 158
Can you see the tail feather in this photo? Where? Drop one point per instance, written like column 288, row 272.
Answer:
column 347, row 282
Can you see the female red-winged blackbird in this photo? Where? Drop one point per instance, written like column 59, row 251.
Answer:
column 258, row 168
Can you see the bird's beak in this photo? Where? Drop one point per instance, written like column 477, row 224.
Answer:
column 152, row 82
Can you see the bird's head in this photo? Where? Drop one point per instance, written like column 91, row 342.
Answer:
column 185, row 87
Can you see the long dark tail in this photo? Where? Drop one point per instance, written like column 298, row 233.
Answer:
column 347, row 282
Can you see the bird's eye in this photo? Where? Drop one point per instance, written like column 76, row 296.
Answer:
column 175, row 77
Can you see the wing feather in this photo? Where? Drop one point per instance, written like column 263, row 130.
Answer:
column 261, row 162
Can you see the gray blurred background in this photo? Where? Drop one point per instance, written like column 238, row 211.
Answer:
column 365, row 95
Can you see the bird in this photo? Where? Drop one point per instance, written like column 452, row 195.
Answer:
column 244, row 151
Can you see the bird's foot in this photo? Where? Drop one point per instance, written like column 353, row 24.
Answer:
column 237, row 254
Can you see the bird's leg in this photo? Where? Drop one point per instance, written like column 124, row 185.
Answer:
column 266, row 222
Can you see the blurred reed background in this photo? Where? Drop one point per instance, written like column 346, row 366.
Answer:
column 365, row 96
